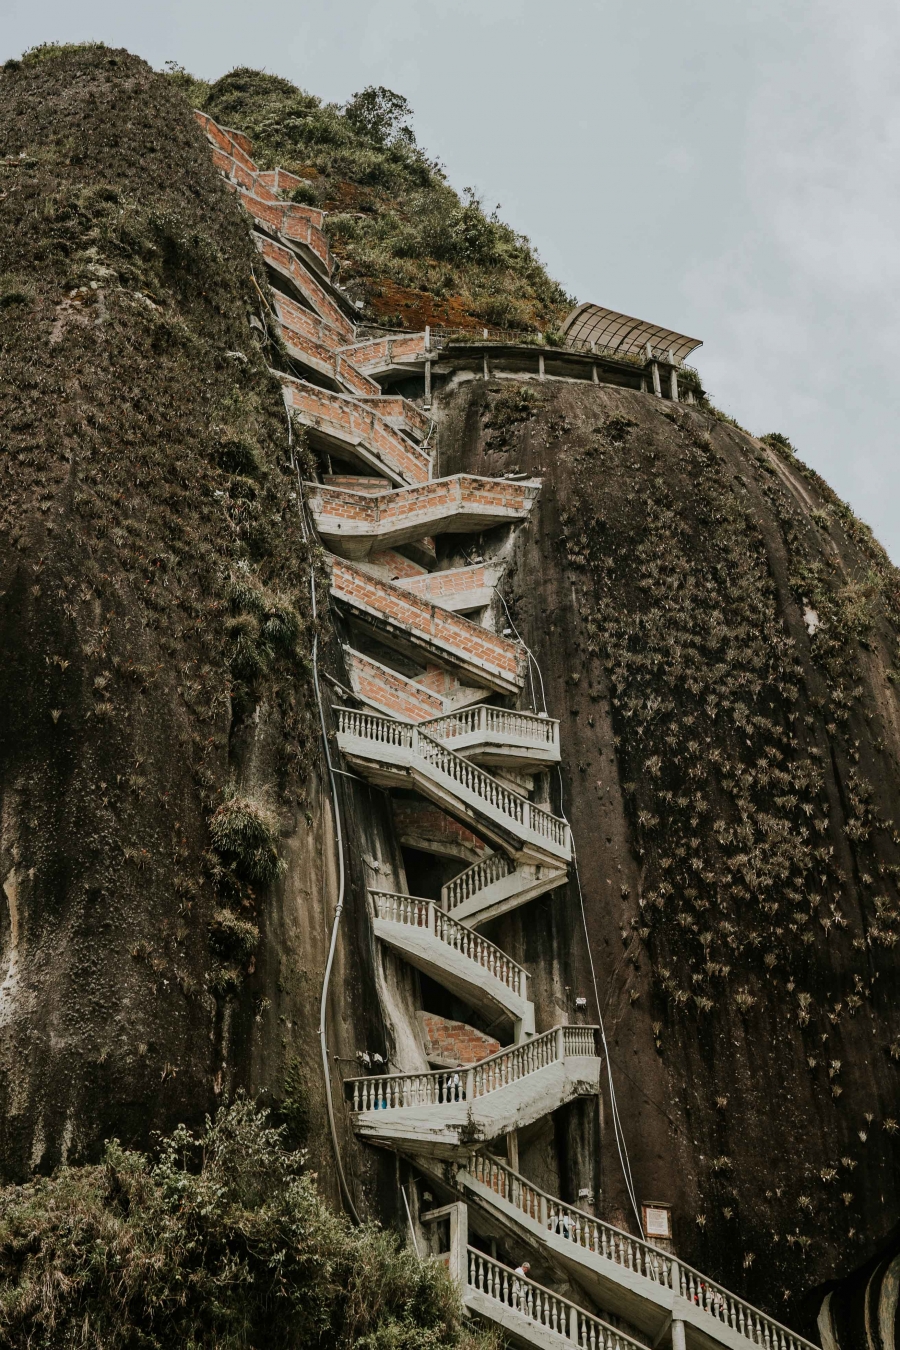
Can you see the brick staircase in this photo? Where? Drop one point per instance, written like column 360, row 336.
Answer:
column 352, row 429
column 312, row 343
column 352, row 523
column 432, row 732
column 428, row 632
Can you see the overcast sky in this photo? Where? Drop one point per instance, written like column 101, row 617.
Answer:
column 728, row 168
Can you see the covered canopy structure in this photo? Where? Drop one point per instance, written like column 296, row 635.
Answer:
column 593, row 327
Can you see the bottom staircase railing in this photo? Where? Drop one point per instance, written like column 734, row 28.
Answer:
column 592, row 1235
column 503, row 1287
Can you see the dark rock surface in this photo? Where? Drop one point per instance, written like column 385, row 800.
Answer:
column 732, row 782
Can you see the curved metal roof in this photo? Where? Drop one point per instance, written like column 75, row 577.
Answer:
column 591, row 324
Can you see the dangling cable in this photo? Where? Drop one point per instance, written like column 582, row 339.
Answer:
column 618, row 1131
column 339, row 842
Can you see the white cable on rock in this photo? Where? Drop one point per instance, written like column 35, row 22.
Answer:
column 618, row 1132
column 339, row 844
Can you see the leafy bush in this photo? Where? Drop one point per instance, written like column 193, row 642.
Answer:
column 265, row 624
column 245, row 836
column 409, row 246
column 220, row 1240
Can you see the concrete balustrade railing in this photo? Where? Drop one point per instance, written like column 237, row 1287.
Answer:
column 440, row 1087
column 483, row 721
column 415, row 912
column 517, row 813
column 497, row 1284
column 576, row 1225
column 592, row 1235
column 475, row 879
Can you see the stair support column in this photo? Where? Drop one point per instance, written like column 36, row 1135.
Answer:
column 678, row 1341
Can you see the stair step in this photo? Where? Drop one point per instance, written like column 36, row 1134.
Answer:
column 428, row 632
column 462, row 961
column 351, row 429
column 494, row 886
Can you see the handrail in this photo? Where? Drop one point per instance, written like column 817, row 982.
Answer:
column 642, row 1258
column 415, row 912
column 610, row 353
column 485, row 719
column 489, row 1277
column 475, row 879
column 519, row 811
column 440, row 1087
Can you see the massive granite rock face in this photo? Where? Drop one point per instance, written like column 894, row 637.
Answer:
column 716, row 631
column 148, row 536
column 719, row 636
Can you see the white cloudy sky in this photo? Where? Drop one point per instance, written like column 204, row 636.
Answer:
column 725, row 167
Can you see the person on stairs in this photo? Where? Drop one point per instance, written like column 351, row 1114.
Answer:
column 519, row 1291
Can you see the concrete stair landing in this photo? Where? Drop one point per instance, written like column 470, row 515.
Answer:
column 440, row 1112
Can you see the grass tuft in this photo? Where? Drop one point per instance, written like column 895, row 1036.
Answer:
column 245, row 837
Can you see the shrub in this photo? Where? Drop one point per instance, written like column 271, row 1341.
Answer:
column 234, row 454
column 245, row 836
column 231, row 936
column 219, row 1240
column 396, row 223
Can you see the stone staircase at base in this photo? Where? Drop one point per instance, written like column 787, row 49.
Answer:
column 629, row 1278
column 530, row 1315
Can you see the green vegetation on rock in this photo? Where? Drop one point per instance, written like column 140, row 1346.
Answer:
column 410, row 247
column 218, row 1241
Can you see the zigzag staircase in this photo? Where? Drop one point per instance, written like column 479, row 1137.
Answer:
column 426, row 723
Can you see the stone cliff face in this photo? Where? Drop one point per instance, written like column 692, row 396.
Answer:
column 719, row 636
column 714, row 629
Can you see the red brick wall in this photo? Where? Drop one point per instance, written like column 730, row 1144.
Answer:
column 449, row 1044
column 389, row 691
column 420, row 823
column 346, row 419
column 457, row 581
column 484, row 651
column 283, row 260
